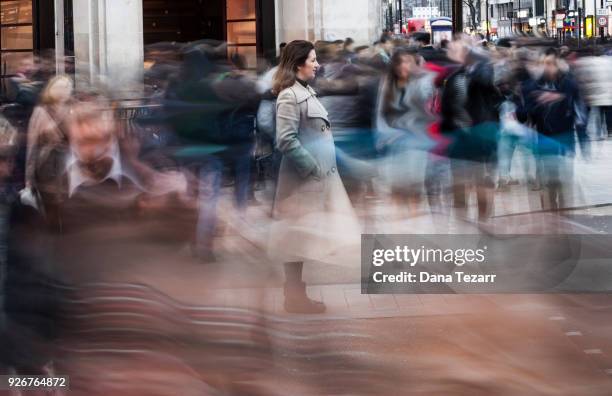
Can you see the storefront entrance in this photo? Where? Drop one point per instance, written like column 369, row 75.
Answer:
column 246, row 25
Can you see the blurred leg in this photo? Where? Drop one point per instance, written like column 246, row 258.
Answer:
column 458, row 169
column 507, row 146
column 242, row 185
column 208, row 196
column 566, row 181
column 584, row 142
column 437, row 181
column 484, row 189
column 607, row 113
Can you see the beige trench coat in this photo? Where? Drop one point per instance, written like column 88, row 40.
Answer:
column 314, row 219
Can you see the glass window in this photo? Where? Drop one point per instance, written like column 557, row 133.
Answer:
column 241, row 32
column 244, row 32
column 11, row 62
column 249, row 53
column 240, row 9
column 16, row 37
column 19, row 11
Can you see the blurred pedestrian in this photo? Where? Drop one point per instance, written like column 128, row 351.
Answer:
column 8, row 196
column 556, row 108
column 403, row 116
column 47, row 144
column 470, row 117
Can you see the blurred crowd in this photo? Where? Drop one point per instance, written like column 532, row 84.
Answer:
column 445, row 128
column 418, row 121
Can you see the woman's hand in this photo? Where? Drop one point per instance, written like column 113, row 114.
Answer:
column 317, row 173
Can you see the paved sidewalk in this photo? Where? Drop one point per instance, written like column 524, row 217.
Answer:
column 345, row 301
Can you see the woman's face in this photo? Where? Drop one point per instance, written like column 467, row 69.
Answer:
column 406, row 67
column 308, row 70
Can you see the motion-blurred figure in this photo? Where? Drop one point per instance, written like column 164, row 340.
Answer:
column 403, row 117
column 470, row 103
column 195, row 112
column 554, row 104
column 47, row 144
column 8, row 197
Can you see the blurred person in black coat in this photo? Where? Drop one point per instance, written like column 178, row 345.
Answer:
column 470, row 117
column 554, row 104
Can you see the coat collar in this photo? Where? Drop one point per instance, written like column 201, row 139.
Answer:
column 302, row 93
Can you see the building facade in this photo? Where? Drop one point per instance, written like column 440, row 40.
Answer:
column 513, row 17
column 107, row 37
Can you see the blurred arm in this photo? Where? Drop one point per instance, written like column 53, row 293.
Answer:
column 385, row 133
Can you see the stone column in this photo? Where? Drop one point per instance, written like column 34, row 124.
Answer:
column 358, row 19
column 328, row 20
column 292, row 20
column 108, row 45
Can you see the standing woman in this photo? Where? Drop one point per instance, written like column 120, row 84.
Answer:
column 314, row 217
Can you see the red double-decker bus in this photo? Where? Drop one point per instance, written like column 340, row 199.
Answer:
column 415, row 25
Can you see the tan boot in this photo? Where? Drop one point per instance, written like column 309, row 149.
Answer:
column 297, row 301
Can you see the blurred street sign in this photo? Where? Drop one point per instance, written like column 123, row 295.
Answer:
column 602, row 21
column 602, row 11
column 559, row 19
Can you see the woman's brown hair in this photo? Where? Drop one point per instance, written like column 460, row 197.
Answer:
column 294, row 54
column 391, row 78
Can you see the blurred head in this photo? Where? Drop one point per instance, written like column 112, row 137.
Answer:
column 503, row 47
column 325, row 51
column 550, row 64
column 298, row 60
column 197, row 63
column 26, row 67
column 338, row 45
column 348, row 44
column 239, row 61
column 421, row 38
column 91, row 132
column 58, row 91
column 505, row 42
column 458, row 50
column 404, row 63
column 385, row 43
